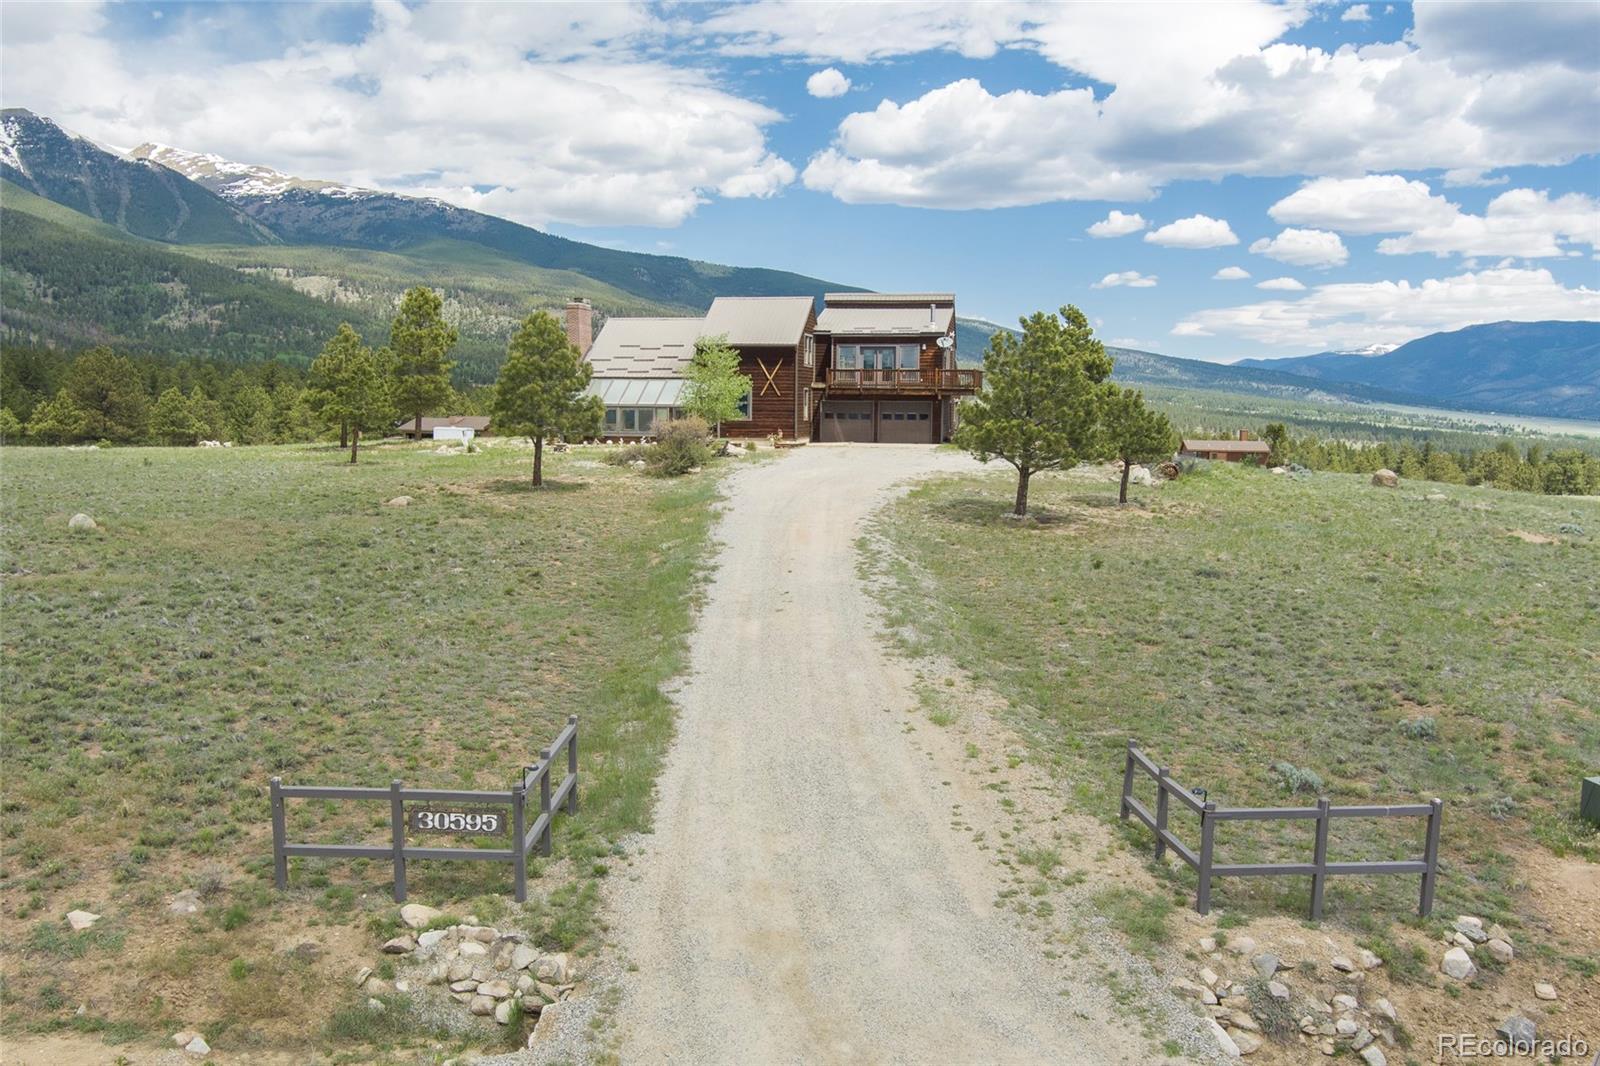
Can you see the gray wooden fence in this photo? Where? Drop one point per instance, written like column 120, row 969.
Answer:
column 1318, row 869
column 524, row 837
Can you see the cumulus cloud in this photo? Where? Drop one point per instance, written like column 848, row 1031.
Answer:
column 1377, row 203
column 1196, row 231
column 1130, row 278
column 1281, row 285
column 1231, row 274
column 827, row 83
column 1393, row 312
column 1519, row 222
column 1117, row 224
column 427, row 100
column 1356, row 13
column 1303, row 247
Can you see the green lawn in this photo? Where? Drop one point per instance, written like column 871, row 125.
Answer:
column 1251, row 630
column 249, row 612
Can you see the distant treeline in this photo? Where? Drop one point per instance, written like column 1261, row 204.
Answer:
column 54, row 397
column 1531, row 468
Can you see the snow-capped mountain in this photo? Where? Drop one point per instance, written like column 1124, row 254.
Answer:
column 236, row 181
column 1370, row 349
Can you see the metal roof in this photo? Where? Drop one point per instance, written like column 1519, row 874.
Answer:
column 1226, row 446
column 886, row 320
column 637, row 392
column 758, row 321
column 644, row 347
column 480, row 423
column 887, row 299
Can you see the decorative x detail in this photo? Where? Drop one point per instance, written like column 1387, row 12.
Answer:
column 771, row 378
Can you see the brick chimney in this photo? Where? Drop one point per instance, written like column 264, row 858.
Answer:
column 580, row 324
column 1244, row 434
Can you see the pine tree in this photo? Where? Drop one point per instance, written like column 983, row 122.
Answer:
column 419, row 340
column 10, row 427
column 1133, row 433
column 172, row 419
column 541, row 388
column 1041, row 397
column 713, row 387
column 351, row 386
column 58, row 421
column 109, row 390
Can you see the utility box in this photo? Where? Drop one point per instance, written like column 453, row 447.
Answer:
column 1589, row 807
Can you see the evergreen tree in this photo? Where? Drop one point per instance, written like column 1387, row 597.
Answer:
column 10, row 426
column 58, row 421
column 109, row 390
column 419, row 340
column 1276, row 436
column 351, row 385
column 541, row 388
column 172, row 419
column 1133, row 433
column 1041, row 397
column 249, row 413
column 713, row 387
column 208, row 412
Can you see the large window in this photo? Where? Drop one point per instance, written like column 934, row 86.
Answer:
column 634, row 421
column 876, row 356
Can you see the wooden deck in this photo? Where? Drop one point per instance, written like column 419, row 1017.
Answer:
column 912, row 382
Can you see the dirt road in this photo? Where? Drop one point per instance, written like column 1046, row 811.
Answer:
column 804, row 897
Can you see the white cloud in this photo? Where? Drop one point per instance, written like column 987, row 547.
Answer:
column 828, row 83
column 1281, row 285
column 1303, row 247
column 1231, row 274
column 1196, row 231
column 1117, row 224
column 1356, row 13
column 1377, row 203
column 1519, row 222
column 1392, row 312
column 1473, row 176
column 1130, row 278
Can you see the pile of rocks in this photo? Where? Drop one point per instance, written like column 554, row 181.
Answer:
column 1466, row 936
column 1326, row 1017
column 490, row 972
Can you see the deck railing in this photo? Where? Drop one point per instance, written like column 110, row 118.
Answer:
column 940, row 379
column 1318, row 869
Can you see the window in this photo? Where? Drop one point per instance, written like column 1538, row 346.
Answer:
column 846, row 357
column 811, row 349
column 647, row 418
column 807, row 416
column 611, row 418
column 909, row 354
column 745, row 403
column 630, row 419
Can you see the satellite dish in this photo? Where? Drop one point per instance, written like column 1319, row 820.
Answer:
column 947, row 342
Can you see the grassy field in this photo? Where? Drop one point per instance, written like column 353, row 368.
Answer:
column 1272, row 639
column 249, row 612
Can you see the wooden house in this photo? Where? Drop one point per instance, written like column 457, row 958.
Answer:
column 1242, row 450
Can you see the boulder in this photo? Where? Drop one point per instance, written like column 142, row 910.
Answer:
column 400, row 945
column 1458, row 964
column 472, row 949
column 482, row 1005
column 1266, row 965
column 1372, row 1055
column 198, row 1046
column 459, row 970
column 1500, row 951
column 483, row 934
column 78, row 921
column 1167, row 471
column 1544, row 990
column 399, row 501
column 1277, row 990
column 1139, row 475
column 1242, row 946
column 1471, row 928
column 1519, row 1032
column 179, row 1039
column 416, row 915
column 498, row 989
column 504, row 1011
column 545, row 1029
column 1243, row 1020
column 376, row 1005
column 1362, row 1038
column 1385, row 1008
column 1208, row 944
column 427, row 940
column 1342, row 964
column 1209, row 976
column 1247, row 1043
column 1345, row 1002
column 81, row 523
column 522, row 956
column 555, row 968
column 1346, row 1027
column 1224, row 1041
column 466, row 984
column 1386, row 478
column 1368, row 960
column 362, row 975
column 185, row 902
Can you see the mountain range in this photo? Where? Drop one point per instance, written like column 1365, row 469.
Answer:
column 165, row 249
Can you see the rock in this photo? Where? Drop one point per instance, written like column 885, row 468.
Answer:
column 1500, row 951
column 532, row 1004
column 1458, row 964
column 399, row 501
column 1247, row 1043
column 425, row 941
column 308, row 951
column 1277, row 990
column 550, row 992
column 416, row 915
column 1345, row 1002
column 555, row 969
column 1219, row 1034
column 362, row 975
column 472, row 949
column 400, row 945
column 466, row 984
column 522, row 956
column 1363, row 1037
column 1139, row 475
column 459, row 969
column 1209, row 976
column 1372, row 1055
column 402, row 986
column 198, row 1046
column 1385, row 1008
column 545, row 1029
column 1544, row 990
column 483, row 934
column 185, row 902
column 504, row 1011
column 1519, row 1032
column 1243, row 1020
column 1471, row 928
column 179, row 1039
column 1328, row 1047
column 1280, row 470
column 81, row 523
column 481, row 1005
column 1342, row 964
column 1368, row 960
column 497, row 989
column 1167, row 471
column 376, row 1006
column 1346, row 1027
column 1386, row 478
column 1266, row 965
column 1462, row 940
column 1242, row 946
column 1208, row 944
column 81, row 920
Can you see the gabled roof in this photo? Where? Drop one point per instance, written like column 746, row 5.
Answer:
column 1260, row 446
column 644, row 347
column 903, row 314
column 889, row 299
column 758, row 321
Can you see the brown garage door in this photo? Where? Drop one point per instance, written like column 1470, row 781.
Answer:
column 847, row 420
column 905, row 423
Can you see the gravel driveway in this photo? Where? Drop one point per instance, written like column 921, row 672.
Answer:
column 804, row 897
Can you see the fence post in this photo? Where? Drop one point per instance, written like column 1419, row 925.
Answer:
column 280, row 861
column 519, row 826
column 572, row 765
column 1161, row 812
column 544, row 801
column 1320, row 859
column 1208, row 826
column 1430, row 876
column 397, row 833
column 1127, row 779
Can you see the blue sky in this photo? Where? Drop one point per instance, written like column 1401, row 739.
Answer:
column 1385, row 170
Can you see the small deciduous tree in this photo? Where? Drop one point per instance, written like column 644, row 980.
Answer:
column 1041, row 397
column 173, row 420
column 713, row 387
column 1133, row 433
column 58, row 420
column 350, row 385
column 419, row 341
column 541, row 386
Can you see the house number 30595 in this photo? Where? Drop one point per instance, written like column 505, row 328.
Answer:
column 433, row 821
